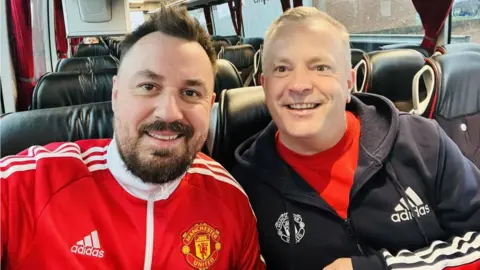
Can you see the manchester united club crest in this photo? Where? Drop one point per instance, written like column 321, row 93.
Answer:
column 201, row 246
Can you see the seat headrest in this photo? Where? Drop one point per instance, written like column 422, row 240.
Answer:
column 21, row 130
column 357, row 56
column 256, row 42
column 94, row 63
column 234, row 40
column 240, row 55
column 219, row 44
column 84, row 50
column 458, row 84
column 411, row 46
column 227, row 77
column 59, row 89
column 392, row 72
column 243, row 113
column 458, row 47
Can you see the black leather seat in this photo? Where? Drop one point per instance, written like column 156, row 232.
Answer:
column 411, row 46
column 234, row 40
column 455, row 102
column 256, row 42
column 227, row 77
column 242, row 113
column 94, row 63
column 219, row 44
column 242, row 56
column 391, row 73
column 59, row 89
column 85, row 50
column 458, row 47
column 357, row 56
column 21, row 130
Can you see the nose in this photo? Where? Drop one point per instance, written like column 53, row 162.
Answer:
column 168, row 107
column 301, row 82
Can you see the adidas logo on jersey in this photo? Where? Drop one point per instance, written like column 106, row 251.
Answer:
column 402, row 212
column 88, row 246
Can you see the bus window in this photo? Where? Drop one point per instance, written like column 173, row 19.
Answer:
column 466, row 20
column 223, row 20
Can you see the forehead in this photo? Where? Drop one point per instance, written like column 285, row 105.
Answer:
column 315, row 37
column 168, row 56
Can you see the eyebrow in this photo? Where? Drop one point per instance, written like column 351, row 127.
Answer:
column 195, row 82
column 149, row 74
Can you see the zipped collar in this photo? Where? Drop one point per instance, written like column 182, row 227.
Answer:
column 131, row 183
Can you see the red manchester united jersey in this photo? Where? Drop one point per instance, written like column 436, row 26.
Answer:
column 76, row 206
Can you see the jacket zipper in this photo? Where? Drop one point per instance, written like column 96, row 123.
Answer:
column 352, row 235
column 149, row 239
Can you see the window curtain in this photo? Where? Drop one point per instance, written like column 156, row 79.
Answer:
column 60, row 33
column 208, row 19
column 433, row 15
column 235, row 7
column 20, row 32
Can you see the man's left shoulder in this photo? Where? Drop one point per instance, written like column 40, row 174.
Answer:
column 211, row 176
column 418, row 127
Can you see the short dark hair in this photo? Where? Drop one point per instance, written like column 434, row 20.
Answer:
column 173, row 21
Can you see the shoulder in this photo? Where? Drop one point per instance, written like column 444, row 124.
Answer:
column 215, row 180
column 418, row 128
column 66, row 159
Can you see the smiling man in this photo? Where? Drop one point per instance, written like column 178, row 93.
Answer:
column 342, row 181
column 148, row 199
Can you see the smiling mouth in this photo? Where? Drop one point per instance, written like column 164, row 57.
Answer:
column 165, row 138
column 303, row 106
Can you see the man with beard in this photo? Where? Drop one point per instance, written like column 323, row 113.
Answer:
column 146, row 199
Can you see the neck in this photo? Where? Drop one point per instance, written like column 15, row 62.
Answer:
column 327, row 138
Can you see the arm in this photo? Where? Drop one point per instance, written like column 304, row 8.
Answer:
column 250, row 258
column 457, row 193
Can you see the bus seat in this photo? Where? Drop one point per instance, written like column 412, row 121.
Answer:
column 21, row 130
column 60, row 89
column 219, row 44
column 242, row 114
column 357, row 56
column 84, row 50
column 227, row 77
column 94, row 63
column 256, row 42
column 234, row 39
column 391, row 75
column 457, row 47
column 257, row 67
column 242, row 56
column 455, row 102
column 411, row 46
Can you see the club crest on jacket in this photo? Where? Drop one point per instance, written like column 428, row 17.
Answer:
column 201, row 245
column 283, row 227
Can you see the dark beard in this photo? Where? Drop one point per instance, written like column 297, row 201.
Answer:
column 170, row 164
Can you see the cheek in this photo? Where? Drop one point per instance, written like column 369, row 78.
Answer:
column 132, row 111
column 198, row 116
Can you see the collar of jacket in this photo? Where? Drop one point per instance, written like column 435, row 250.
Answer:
column 379, row 125
column 131, row 183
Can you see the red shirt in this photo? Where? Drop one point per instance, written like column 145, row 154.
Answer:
column 330, row 173
column 75, row 206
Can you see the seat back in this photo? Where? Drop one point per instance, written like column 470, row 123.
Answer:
column 242, row 57
column 455, row 104
column 457, row 47
column 94, row 63
column 391, row 74
column 227, row 77
column 256, row 42
column 60, row 89
column 21, row 130
column 85, row 50
column 219, row 44
column 411, row 46
column 242, row 114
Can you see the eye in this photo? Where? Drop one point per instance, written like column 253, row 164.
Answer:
column 190, row 93
column 280, row 69
column 322, row 68
column 147, row 87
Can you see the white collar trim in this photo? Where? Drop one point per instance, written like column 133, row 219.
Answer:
column 134, row 185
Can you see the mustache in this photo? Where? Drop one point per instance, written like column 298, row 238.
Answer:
column 175, row 126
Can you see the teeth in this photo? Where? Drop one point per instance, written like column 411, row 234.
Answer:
column 302, row 106
column 165, row 138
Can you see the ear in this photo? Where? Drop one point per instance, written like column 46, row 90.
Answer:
column 114, row 91
column 350, row 83
column 213, row 99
